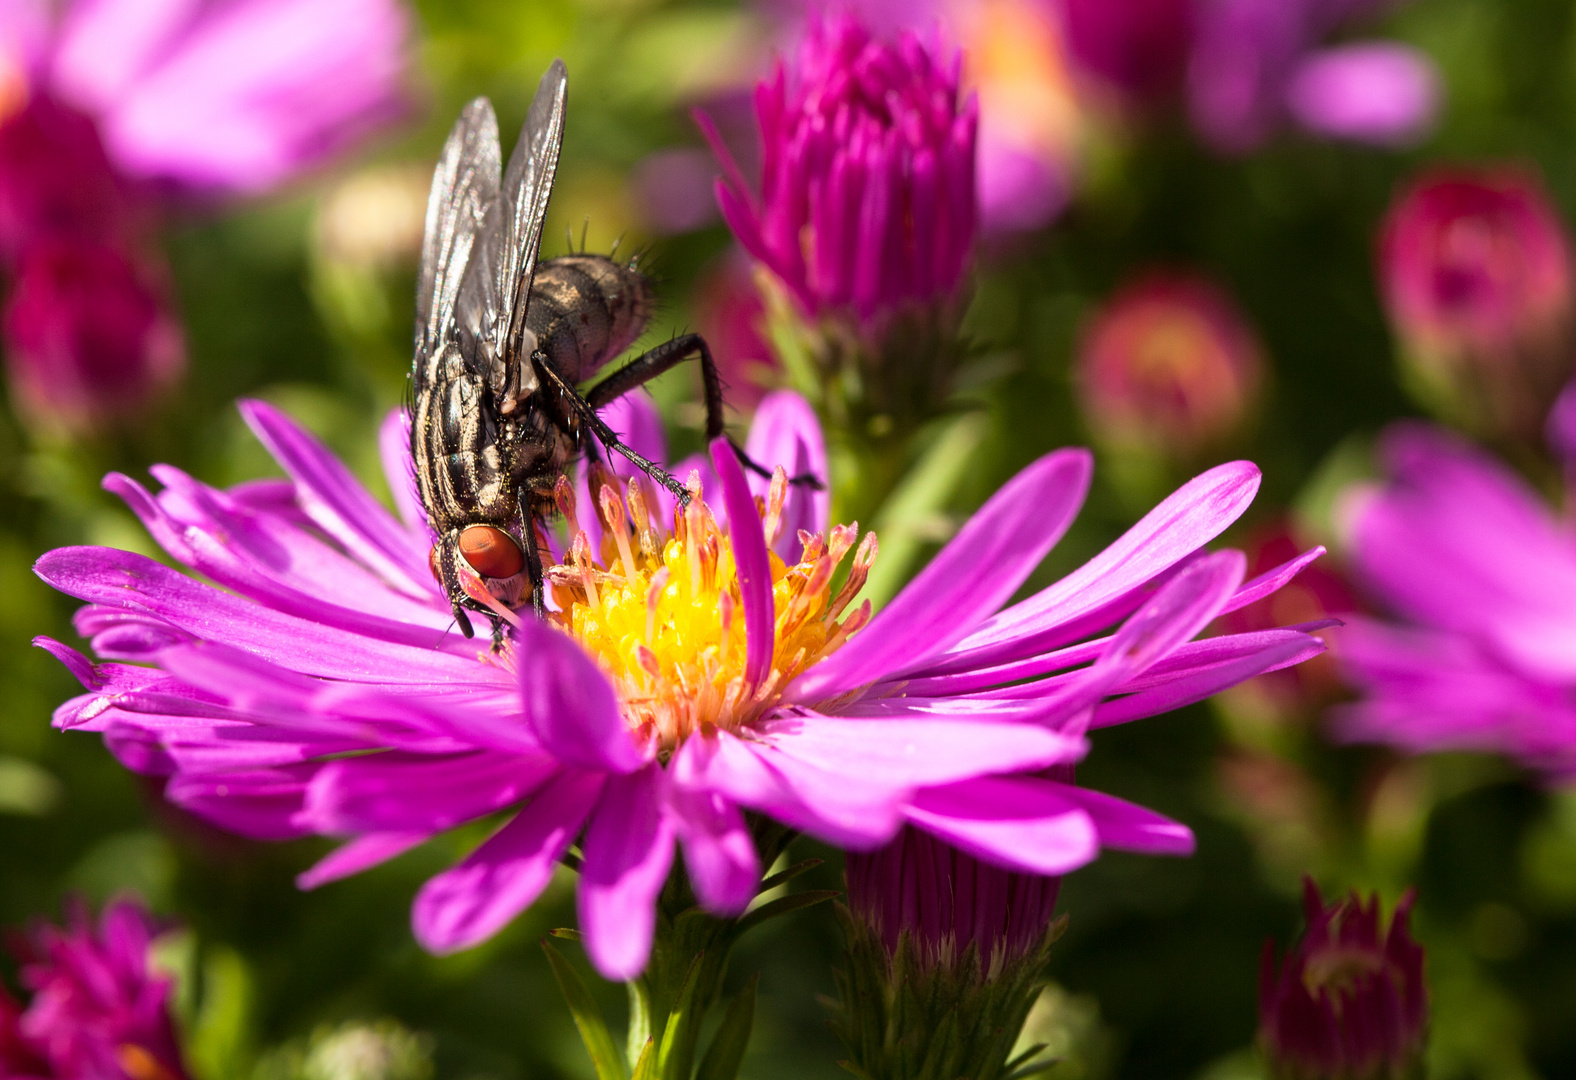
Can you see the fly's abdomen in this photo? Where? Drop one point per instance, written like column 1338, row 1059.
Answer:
column 585, row 310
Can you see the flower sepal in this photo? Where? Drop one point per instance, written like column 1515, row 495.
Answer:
column 907, row 1012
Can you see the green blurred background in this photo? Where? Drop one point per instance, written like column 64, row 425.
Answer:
column 300, row 300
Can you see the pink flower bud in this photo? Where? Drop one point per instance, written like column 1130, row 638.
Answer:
column 1169, row 364
column 1476, row 272
column 945, row 901
column 89, row 340
column 55, row 178
column 867, row 197
column 1349, row 1001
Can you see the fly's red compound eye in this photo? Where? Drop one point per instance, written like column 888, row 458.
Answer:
column 491, row 552
column 432, row 564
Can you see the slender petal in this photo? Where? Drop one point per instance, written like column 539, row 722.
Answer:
column 629, row 847
column 570, row 705
column 474, row 900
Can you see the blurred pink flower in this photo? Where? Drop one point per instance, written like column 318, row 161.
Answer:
column 103, row 104
column 730, row 315
column 98, row 1009
column 867, row 196
column 1168, row 364
column 1138, row 48
column 90, row 338
column 236, row 95
column 1476, row 271
column 1480, row 574
column 1256, row 64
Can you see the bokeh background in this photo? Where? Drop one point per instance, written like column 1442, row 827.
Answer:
column 303, row 296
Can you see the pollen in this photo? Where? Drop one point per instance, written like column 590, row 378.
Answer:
column 661, row 611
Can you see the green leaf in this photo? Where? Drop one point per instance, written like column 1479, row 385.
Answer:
column 588, row 1017
column 566, row 933
column 646, row 1063
column 782, row 906
column 679, row 1034
column 726, row 1052
column 638, row 1042
column 784, row 876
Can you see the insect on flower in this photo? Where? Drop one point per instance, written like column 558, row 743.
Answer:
column 501, row 346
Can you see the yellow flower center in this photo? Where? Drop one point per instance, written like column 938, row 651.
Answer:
column 663, row 615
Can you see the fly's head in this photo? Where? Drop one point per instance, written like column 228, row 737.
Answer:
column 482, row 569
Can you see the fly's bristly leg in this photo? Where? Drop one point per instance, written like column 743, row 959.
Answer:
column 533, row 553
column 658, row 360
column 608, row 437
column 665, row 357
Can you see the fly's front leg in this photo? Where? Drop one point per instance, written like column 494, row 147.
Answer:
column 533, row 554
column 666, row 356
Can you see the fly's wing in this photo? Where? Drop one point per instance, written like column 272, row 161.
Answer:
column 464, row 189
column 497, row 289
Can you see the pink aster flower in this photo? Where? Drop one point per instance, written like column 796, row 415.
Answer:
column 867, row 197
column 1349, row 1002
column 1257, row 64
column 98, row 1010
column 697, row 665
column 1481, row 576
column 1476, row 270
column 237, row 96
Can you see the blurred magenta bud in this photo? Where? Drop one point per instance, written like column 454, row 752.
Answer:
column 1349, row 1001
column 1475, row 267
column 867, row 198
column 1377, row 92
column 731, row 316
column 1168, row 365
column 238, row 96
column 1257, row 64
column 945, row 901
column 1138, row 48
column 89, row 340
column 98, row 1009
column 56, row 179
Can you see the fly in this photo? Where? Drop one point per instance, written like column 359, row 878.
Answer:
column 502, row 346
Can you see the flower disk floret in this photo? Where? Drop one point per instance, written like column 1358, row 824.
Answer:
column 315, row 687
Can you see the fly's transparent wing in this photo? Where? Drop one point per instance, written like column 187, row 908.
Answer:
column 497, row 289
column 464, row 189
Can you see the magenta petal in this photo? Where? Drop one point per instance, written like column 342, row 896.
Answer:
column 570, row 704
column 357, row 855
column 750, row 560
column 1185, row 521
column 911, row 752
column 335, row 499
column 967, row 581
column 719, row 851
column 628, row 849
column 795, row 793
column 399, row 469
column 1020, row 823
column 472, row 901
column 1203, row 684
column 1128, row 827
column 638, row 423
column 786, row 432
column 1372, row 91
